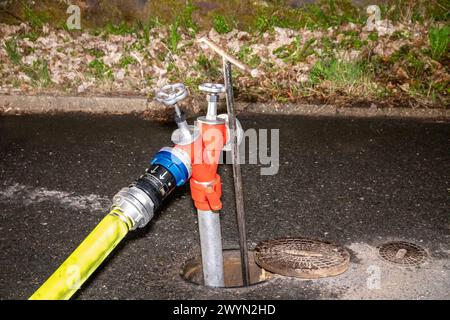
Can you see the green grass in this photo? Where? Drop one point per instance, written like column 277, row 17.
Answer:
column 243, row 13
column 321, row 14
column 295, row 52
column 400, row 54
column 327, row 46
column 265, row 22
column 127, row 60
column 99, row 70
column 416, row 11
column 98, row 53
column 146, row 34
column 210, row 68
column 203, row 62
column 439, row 41
column 186, row 20
column 143, row 30
column 12, row 51
column 38, row 73
column 373, row 36
column 193, row 83
column 221, row 24
column 32, row 35
column 247, row 56
column 327, row 13
column 415, row 65
column 337, row 71
column 349, row 77
column 110, row 28
column 174, row 36
column 352, row 40
column 35, row 20
column 411, row 60
column 172, row 67
column 120, row 29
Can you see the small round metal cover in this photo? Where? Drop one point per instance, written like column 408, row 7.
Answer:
column 302, row 257
column 402, row 253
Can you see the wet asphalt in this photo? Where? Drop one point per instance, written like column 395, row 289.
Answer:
column 355, row 182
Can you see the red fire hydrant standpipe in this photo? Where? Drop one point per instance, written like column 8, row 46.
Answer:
column 204, row 142
column 206, row 187
column 228, row 60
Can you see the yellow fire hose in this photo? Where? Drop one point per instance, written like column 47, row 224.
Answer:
column 133, row 207
column 77, row 268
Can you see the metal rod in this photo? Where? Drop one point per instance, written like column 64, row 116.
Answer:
column 238, row 190
column 212, row 111
column 221, row 52
column 211, row 244
column 225, row 55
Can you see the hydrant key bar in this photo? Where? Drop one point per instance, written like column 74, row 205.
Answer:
column 238, row 189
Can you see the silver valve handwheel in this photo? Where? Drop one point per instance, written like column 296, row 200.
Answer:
column 172, row 93
column 214, row 88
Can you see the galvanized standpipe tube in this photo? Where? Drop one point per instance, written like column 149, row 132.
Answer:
column 208, row 216
column 240, row 213
column 211, row 244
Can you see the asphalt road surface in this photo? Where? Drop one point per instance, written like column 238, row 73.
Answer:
column 358, row 183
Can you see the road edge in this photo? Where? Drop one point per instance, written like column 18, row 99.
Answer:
column 24, row 104
column 334, row 111
column 39, row 104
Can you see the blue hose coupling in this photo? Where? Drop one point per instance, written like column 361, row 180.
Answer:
column 177, row 161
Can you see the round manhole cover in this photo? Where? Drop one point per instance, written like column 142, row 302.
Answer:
column 402, row 253
column 302, row 258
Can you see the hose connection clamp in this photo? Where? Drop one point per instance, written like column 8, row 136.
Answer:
column 135, row 205
column 206, row 195
column 177, row 161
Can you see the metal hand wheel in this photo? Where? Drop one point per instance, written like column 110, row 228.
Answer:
column 213, row 88
column 171, row 94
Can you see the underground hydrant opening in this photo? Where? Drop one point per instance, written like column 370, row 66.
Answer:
column 192, row 270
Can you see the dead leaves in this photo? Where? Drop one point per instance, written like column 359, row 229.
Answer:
column 135, row 67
